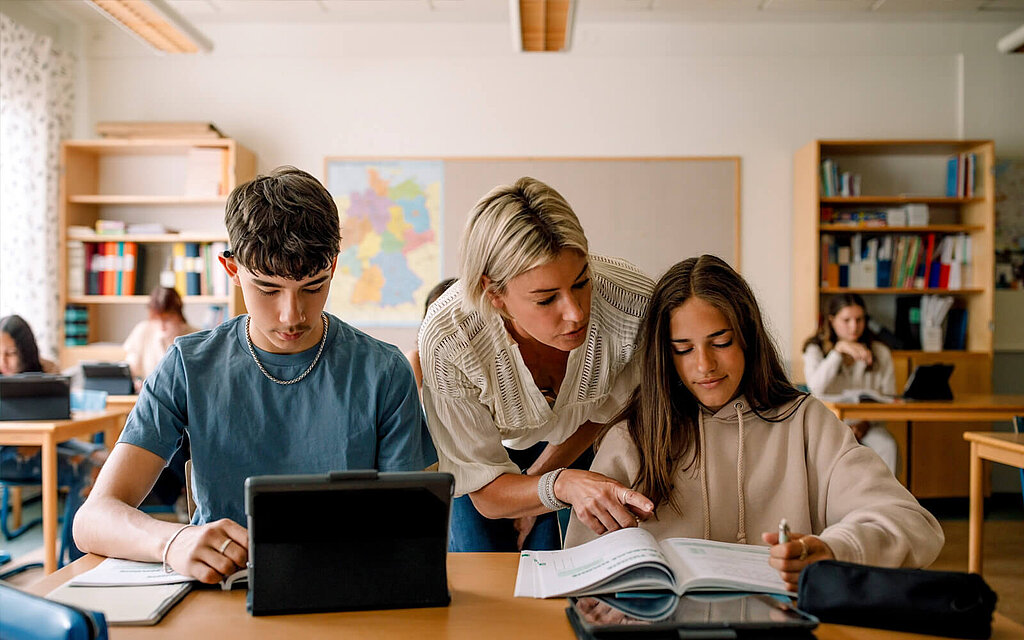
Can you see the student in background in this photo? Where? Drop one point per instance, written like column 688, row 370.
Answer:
column 844, row 355
column 77, row 461
column 150, row 339
column 524, row 360
column 725, row 446
column 19, row 352
column 414, row 355
column 286, row 389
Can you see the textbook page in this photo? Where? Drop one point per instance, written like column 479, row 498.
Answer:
column 706, row 565
column 617, row 561
column 114, row 572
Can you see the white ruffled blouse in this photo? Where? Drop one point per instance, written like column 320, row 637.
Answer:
column 480, row 397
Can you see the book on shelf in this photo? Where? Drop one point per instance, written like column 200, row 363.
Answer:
column 147, row 228
column 157, row 130
column 110, row 227
column 632, row 560
column 76, row 268
column 838, row 183
column 193, row 270
column 902, row 261
column 961, row 170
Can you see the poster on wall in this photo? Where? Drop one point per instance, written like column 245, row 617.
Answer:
column 391, row 213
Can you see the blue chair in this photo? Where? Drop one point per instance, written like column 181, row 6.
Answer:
column 65, row 532
column 5, row 512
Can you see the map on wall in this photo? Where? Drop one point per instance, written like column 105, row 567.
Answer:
column 390, row 249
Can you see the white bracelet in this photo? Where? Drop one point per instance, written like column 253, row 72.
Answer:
column 167, row 568
column 546, row 491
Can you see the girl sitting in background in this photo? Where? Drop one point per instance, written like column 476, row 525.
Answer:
column 77, row 462
column 724, row 445
column 149, row 340
column 843, row 356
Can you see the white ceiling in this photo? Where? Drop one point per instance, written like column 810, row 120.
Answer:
column 201, row 12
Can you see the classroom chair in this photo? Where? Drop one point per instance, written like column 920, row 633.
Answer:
column 65, row 532
column 10, row 508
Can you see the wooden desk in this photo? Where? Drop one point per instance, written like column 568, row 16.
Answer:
column 1007, row 448
column 482, row 607
column 969, row 408
column 47, row 433
column 963, row 408
column 123, row 403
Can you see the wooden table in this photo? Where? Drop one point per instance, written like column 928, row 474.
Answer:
column 482, row 607
column 47, row 434
column 1007, row 448
column 970, row 408
column 963, row 408
column 124, row 403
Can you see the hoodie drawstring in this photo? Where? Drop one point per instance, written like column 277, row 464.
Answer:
column 741, row 532
column 704, row 475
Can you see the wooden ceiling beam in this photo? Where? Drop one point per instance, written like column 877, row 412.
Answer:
column 544, row 24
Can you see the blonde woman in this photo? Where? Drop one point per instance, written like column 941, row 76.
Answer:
column 524, row 360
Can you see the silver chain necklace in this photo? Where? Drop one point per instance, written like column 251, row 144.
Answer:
column 323, row 340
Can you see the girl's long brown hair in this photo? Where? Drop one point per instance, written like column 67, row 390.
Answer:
column 662, row 413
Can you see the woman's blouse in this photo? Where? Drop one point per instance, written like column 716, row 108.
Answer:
column 480, row 397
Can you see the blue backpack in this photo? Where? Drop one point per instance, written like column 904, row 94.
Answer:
column 29, row 617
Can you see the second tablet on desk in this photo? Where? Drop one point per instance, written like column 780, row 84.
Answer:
column 347, row 541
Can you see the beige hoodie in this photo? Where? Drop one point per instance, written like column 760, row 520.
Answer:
column 808, row 469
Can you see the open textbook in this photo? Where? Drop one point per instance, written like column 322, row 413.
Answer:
column 114, row 572
column 632, row 560
column 854, row 396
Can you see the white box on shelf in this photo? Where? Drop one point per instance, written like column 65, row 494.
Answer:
column 917, row 215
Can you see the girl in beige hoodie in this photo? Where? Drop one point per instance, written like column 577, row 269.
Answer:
column 724, row 445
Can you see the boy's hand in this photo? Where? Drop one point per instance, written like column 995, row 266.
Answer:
column 790, row 558
column 210, row 552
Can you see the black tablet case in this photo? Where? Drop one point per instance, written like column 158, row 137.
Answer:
column 113, row 377
column 35, row 396
column 353, row 540
column 929, row 382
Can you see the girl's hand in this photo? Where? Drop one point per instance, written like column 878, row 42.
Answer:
column 602, row 503
column 523, row 527
column 855, row 350
column 790, row 558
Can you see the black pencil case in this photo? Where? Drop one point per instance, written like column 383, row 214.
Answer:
column 942, row 603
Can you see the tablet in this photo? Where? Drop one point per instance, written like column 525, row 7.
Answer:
column 929, row 382
column 113, row 377
column 349, row 540
column 35, row 396
column 650, row 615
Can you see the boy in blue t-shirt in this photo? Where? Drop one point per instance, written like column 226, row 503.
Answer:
column 287, row 388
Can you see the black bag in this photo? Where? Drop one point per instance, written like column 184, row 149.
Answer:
column 941, row 603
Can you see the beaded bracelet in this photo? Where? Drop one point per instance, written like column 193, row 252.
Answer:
column 546, row 491
column 167, row 568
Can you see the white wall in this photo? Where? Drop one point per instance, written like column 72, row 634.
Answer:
column 297, row 93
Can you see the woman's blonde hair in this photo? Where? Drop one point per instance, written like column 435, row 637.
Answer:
column 511, row 230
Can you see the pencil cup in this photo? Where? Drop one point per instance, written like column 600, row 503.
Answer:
column 931, row 338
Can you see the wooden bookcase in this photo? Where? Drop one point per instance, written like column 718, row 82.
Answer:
column 140, row 181
column 895, row 173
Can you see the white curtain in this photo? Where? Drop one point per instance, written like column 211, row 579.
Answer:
column 36, row 104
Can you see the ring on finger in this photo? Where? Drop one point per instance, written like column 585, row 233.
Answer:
column 803, row 549
column 224, row 545
column 625, row 492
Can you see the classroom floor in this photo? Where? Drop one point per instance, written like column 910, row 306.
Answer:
column 1003, row 551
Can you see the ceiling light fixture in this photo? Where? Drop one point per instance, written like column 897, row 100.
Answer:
column 542, row 25
column 155, row 23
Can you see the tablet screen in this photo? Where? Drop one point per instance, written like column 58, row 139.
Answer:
column 608, row 616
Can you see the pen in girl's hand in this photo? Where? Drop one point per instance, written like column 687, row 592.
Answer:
column 783, row 531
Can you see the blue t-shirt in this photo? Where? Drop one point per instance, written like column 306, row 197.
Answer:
column 357, row 409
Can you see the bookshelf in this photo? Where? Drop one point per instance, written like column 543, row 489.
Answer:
column 179, row 185
column 893, row 174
